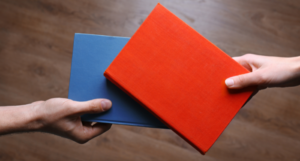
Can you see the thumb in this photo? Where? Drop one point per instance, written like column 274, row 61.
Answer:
column 243, row 81
column 92, row 106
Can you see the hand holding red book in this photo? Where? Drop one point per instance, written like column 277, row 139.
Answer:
column 179, row 76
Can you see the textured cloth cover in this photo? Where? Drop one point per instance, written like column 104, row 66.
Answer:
column 179, row 76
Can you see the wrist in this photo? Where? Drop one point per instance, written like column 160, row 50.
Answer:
column 298, row 63
column 23, row 118
column 34, row 120
column 296, row 66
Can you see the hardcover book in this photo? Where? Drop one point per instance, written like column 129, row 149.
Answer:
column 91, row 56
column 179, row 76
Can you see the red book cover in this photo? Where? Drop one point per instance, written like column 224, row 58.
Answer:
column 179, row 76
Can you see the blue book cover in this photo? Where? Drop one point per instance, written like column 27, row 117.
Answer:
column 92, row 54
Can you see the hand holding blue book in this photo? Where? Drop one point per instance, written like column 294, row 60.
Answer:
column 92, row 54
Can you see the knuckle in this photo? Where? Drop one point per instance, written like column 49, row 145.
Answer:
column 37, row 102
column 240, row 79
column 68, row 105
column 262, row 79
column 248, row 56
column 81, row 139
column 93, row 107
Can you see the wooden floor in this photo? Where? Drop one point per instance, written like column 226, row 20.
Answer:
column 36, row 40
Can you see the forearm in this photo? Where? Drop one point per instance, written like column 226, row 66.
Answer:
column 18, row 119
column 57, row 116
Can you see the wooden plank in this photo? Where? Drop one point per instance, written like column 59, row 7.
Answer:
column 36, row 39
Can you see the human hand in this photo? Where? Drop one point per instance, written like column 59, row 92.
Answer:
column 266, row 71
column 62, row 117
column 57, row 116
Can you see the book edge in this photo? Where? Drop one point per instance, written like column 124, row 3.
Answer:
column 108, row 76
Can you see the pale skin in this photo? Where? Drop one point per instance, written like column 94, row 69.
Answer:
column 57, row 116
column 61, row 116
column 266, row 71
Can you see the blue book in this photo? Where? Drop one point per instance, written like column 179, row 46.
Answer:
column 92, row 54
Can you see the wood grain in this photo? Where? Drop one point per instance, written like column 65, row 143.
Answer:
column 36, row 40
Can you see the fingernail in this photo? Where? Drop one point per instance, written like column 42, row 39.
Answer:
column 106, row 104
column 229, row 82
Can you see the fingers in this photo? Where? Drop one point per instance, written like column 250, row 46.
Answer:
column 244, row 80
column 256, row 78
column 87, row 132
column 247, row 58
column 245, row 61
column 92, row 106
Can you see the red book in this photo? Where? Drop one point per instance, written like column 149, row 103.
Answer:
column 179, row 76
